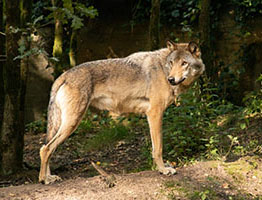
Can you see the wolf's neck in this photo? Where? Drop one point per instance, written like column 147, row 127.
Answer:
column 161, row 56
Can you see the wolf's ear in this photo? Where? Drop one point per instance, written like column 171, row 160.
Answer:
column 171, row 45
column 194, row 49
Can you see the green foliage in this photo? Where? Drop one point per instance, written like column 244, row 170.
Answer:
column 25, row 53
column 102, row 131
column 253, row 100
column 177, row 13
column 247, row 9
column 192, row 130
column 24, row 43
column 203, row 195
column 40, row 9
column 35, row 127
column 84, row 126
column 73, row 13
column 186, row 12
column 106, row 137
column 207, row 126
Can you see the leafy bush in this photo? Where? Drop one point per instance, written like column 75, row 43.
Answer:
column 253, row 100
column 247, row 9
column 192, row 129
column 181, row 12
column 35, row 127
column 40, row 9
column 73, row 13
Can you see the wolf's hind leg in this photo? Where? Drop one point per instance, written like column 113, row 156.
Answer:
column 73, row 105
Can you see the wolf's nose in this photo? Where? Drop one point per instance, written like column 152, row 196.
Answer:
column 171, row 80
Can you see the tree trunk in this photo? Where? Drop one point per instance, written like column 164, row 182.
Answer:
column 154, row 25
column 72, row 46
column 205, row 38
column 58, row 43
column 26, row 11
column 2, row 53
column 72, row 50
column 25, row 7
column 12, row 133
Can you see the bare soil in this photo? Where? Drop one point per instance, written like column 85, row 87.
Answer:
column 238, row 179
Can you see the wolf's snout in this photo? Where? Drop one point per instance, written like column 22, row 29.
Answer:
column 171, row 80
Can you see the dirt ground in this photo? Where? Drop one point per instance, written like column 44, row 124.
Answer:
column 239, row 179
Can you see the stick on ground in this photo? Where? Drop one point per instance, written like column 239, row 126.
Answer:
column 109, row 178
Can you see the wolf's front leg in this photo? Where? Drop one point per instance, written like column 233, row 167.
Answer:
column 154, row 118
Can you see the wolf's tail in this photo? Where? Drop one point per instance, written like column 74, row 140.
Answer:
column 54, row 112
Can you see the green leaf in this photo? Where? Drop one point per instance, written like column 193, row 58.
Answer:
column 22, row 46
column 38, row 19
column 84, row 11
column 68, row 5
column 243, row 126
column 214, row 152
column 175, row 13
column 76, row 22
column 68, row 13
column 53, row 59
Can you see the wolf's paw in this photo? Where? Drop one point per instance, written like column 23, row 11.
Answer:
column 167, row 170
column 51, row 179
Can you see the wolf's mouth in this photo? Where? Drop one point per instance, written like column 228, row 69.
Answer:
column 173, row 82
column 180, row 81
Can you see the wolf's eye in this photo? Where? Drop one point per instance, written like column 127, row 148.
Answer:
column 184, row 63
column 171, row 62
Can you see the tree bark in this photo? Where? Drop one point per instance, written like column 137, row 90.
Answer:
column 72, row 48
column 205, row 37
column 2, row 53
column 58, row 43
column 26, row 11
column 73, row 43
column 25, row 8
column 12, row 133
column 154, row 25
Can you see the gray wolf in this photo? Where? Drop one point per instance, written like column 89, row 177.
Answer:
column 144, row 82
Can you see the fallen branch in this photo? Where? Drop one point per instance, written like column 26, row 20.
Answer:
column 108, row 178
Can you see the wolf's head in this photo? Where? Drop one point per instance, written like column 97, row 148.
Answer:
column 184, row 63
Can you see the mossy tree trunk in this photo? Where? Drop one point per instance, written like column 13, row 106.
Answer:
column 58, row 41
column 154, row 25
column 73, row 33
column 205, row 38
column 12, row 133
column 72, row 50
